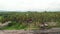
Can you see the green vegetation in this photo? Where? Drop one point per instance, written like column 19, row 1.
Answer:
column 21, row 20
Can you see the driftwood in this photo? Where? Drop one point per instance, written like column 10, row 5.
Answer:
column 4, row 24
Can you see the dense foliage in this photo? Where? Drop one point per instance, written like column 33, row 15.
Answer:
column 26, row 18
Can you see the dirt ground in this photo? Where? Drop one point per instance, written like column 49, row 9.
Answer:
column 52, row 31
column 15, row 32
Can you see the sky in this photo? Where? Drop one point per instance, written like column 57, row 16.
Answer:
column 30, row 5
